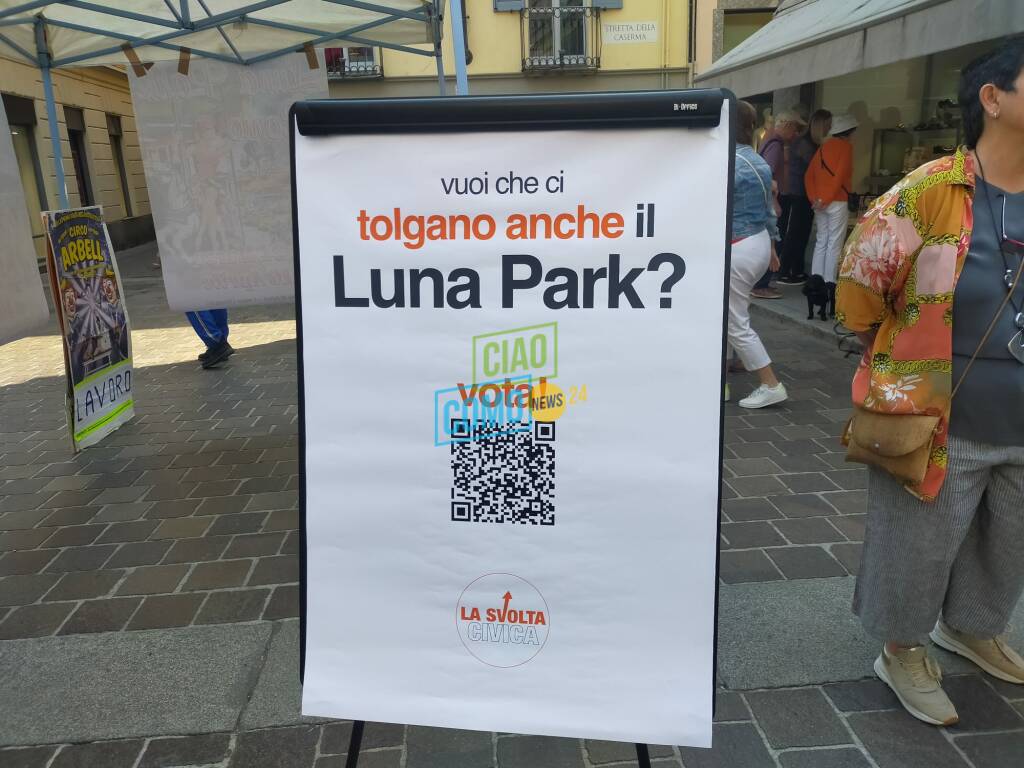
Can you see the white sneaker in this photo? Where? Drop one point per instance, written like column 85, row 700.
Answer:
column 764, row 396
column 993, row 655
column 917, row 682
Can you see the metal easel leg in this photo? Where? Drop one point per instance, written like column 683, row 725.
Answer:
column 354, row 743
column 643, row 757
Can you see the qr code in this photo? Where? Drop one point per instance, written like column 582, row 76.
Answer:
column 503, row 473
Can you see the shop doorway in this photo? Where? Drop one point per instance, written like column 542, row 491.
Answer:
column 21, row 116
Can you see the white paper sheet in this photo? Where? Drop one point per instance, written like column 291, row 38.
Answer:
column 215, row 148
column 22, row 302
column 616, row 545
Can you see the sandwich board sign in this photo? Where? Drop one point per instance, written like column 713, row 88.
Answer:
column 95, row 331
column 511, row 326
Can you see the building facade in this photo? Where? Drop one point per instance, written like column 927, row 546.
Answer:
column 535, row 46
column 721, row 25
column 99, row 146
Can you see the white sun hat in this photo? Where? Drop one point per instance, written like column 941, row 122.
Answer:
column 842, row 124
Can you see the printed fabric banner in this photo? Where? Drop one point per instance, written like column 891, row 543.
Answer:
column 215, row 148
column 22, row 301
column 94, row 321
column 511, row 352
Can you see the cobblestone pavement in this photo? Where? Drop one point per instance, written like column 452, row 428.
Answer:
column 842, row 725
column 792, row 507
column 188, row 516
column 188, row 513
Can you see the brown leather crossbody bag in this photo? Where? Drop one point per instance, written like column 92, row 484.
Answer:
column 902, row 444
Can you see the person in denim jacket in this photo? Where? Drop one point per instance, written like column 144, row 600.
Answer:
column 754, row 232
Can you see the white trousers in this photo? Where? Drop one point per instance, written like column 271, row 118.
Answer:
column 831, row 225
column 750, row 259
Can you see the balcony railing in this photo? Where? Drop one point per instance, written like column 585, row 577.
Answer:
column 561, row 39
column 342, row 67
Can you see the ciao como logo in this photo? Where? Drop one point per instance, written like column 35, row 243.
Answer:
column 502, row 620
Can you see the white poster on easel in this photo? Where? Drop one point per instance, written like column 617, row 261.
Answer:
column 215, row 149
column 511, row 414
column 22, row 301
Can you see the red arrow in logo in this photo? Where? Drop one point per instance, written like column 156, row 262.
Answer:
column 504, row 613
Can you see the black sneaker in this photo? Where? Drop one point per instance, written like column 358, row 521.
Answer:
column 206, row 354
column 799, row 280
column 216, row 355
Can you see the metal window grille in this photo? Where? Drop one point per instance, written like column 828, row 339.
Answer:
column 353, row 62
column 560, row 35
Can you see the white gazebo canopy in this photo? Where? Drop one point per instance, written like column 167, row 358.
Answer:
column 61, row 33
column 105, row 32
column 810, row 40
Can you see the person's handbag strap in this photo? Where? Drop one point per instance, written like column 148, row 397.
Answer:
column 760, row 181
column 991, row 328
column 821, row 157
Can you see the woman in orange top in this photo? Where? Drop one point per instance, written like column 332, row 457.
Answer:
column 828, row 180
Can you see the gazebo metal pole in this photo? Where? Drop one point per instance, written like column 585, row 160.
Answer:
column 441, row 85
column 459, row 43
column 51, row 112
column 437, row 28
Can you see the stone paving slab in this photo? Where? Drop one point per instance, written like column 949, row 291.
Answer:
column 276, row 699
column 782, row 722
column 780, row 634
column 857, row 724
column 115, row 685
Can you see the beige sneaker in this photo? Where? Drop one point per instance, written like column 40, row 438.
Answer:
column 992, row 655
column 915, row 679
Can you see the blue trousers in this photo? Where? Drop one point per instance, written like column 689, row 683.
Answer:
column 211, row 325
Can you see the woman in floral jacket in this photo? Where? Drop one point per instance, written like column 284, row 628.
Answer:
column 930, row 282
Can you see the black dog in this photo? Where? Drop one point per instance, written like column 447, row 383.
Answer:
column 817, row 292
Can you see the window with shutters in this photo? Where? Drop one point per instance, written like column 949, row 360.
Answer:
column 115, row 134
column 353, row 62
column 560, row 35
column 75, row 123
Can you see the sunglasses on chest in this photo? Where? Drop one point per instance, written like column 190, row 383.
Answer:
column 1012, row 252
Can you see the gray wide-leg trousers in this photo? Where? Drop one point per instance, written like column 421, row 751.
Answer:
column 961, row 556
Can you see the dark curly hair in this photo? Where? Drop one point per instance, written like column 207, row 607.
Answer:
column 1001, row 67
